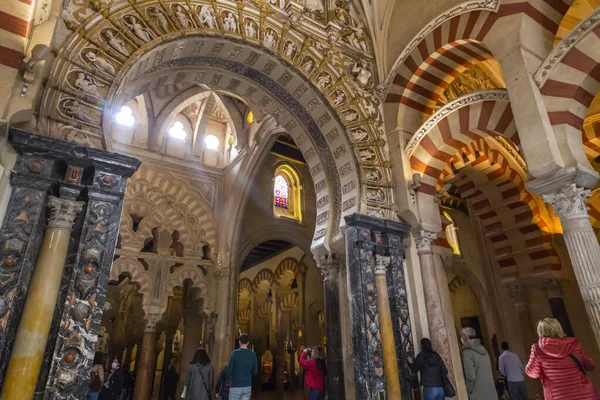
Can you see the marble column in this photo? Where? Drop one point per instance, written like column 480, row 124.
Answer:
column 554, row 293
column 366, row 238
column 20, row 240
column 147, row 357
column 438, row 330
column 280, row 364
column 570, row 204
column 30, row 343
column 192, row 322
column 167, row 356
column 330, row 271
column 515, row 292
column 390, row 362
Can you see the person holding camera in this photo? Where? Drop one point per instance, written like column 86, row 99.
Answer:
column 316, row 371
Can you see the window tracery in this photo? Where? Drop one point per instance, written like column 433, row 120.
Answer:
column 287, row 193
column 280, row 192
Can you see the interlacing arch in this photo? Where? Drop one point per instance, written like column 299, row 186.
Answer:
column 177, row 279
column 245, row 286
column 460, row 147
column 286, row 271
column 135, row 270
column 161, row 200
column 319, row 90
column 265, row 275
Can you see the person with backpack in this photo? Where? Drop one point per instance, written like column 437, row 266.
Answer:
column 432, row 369
column 223, row 385
column 97, row 378
column 561, row 363
column 316, row 371
column 199, row 377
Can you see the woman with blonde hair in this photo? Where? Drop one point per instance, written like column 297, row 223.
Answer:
column 561, row 364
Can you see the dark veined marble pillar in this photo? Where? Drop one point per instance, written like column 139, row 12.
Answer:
column 98, row 179
column 366, row 238
column 20, row 239
column 330, row 271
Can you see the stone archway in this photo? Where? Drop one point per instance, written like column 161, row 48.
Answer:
column 319, row 91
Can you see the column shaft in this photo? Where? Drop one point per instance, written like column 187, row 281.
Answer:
column 390, row 362
column 145, row 370
column 32, row 335
column 333, row 332
column 433, row 302
column 570, row 204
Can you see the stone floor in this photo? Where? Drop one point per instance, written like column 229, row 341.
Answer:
column 298, row 395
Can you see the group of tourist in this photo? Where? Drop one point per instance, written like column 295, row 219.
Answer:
column 234, row 382
column 559, row 361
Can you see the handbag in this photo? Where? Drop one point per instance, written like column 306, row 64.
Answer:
column 95, row 383
column 183, row 393
column 576, row 361
column 204, row 382
column 448, row 388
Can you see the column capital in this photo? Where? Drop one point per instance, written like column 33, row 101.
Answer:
column 330, row 264
column 381, row 264
column 63, row 212
column 569, row 201
column 514, row 290
column 553, row 288
column 424, row 240
column 152, row 317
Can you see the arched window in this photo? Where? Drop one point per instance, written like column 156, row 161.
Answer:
column 280, row 192
column 287, row 193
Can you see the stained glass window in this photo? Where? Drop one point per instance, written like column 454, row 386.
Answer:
column 281, row 190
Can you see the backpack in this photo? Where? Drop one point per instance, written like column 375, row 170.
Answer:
column 95, row 383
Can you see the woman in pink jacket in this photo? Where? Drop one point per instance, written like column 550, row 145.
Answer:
column 561, row 364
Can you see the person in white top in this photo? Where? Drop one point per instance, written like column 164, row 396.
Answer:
column 512, row 369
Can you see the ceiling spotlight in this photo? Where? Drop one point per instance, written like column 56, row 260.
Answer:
column 211, row 142
column 177, row 131
column 125, row 116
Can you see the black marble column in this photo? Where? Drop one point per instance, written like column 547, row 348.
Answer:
column 20, row 240
column 330, row 268
column 366, row 237
column 99, row 179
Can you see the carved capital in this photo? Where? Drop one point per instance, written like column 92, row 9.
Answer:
column 381, row 264
column 330, row 265
column 63, row 212
column 424, row 240
column 553, row 288
column 569, row 202
column 152, row 317
column 514, row 290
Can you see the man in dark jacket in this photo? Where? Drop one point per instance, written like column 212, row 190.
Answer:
column 223, row 385
column 477, row 366
column 171, row 379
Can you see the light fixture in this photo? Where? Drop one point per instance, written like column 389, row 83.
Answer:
column 125, row 116
column 177, row 131
column 294, row 284
column 211, row 142
column 250, row 117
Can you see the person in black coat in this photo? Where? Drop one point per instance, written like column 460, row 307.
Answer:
column 432, row 369
column 171, row 379
column 223, row 385
column 113, row 382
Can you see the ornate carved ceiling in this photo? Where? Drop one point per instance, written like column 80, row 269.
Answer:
column 316, row 80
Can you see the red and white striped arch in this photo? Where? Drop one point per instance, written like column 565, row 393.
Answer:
column 456, row 125
column 570, row 79
column 451, row 44
column 460, row 148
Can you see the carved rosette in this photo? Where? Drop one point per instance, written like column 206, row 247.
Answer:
column 570, row 202
column 63, row 212
column 424, row 240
